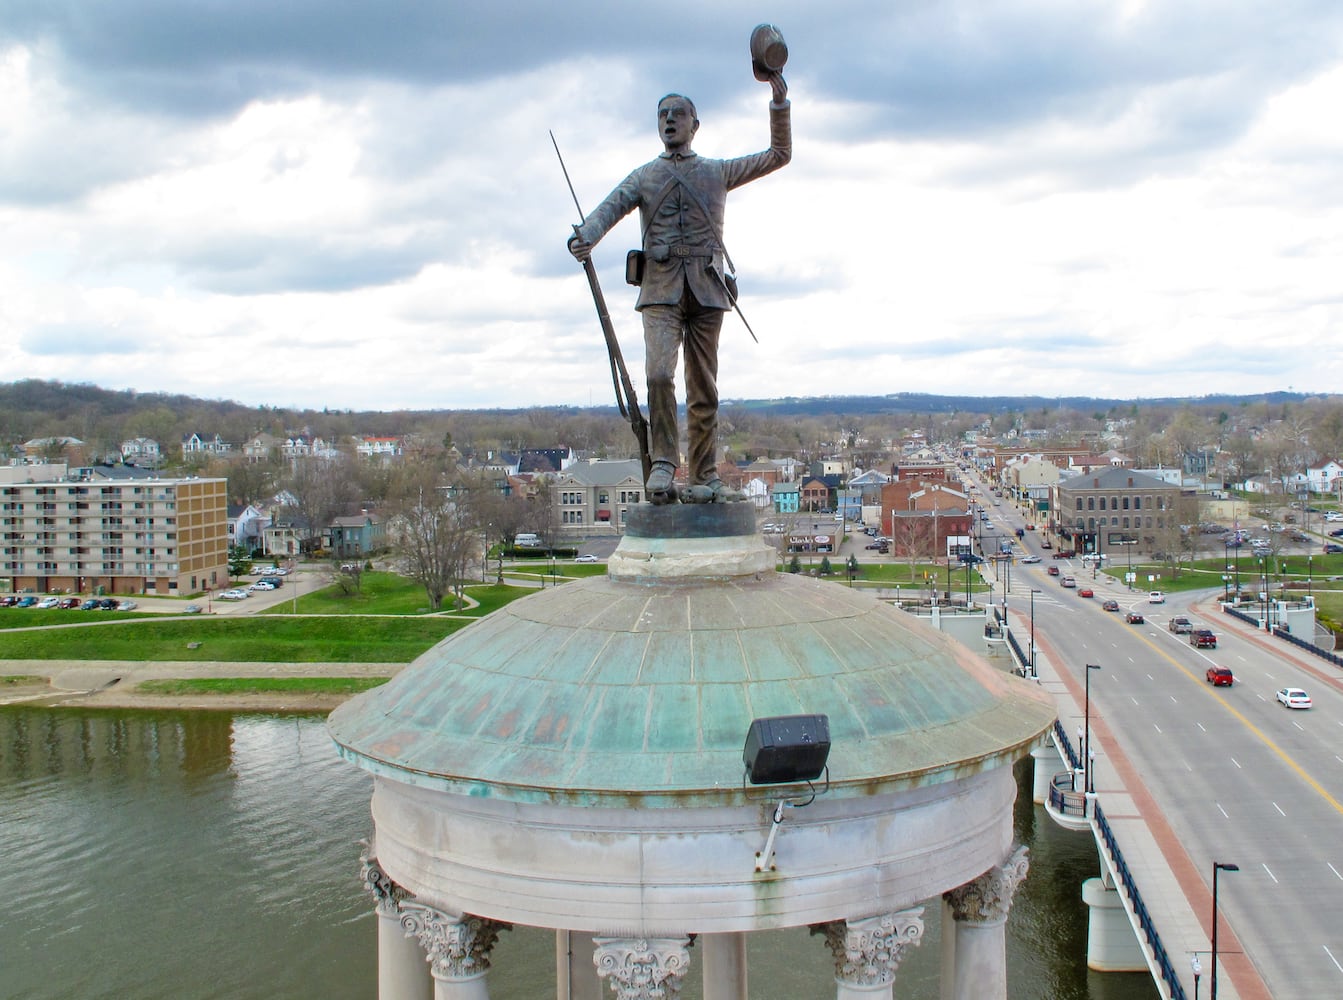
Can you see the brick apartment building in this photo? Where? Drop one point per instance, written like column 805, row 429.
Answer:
column 76, row 531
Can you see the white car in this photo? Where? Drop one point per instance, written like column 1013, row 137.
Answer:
column 127, row 606
column 236, row 594
column 1156, row 597
column 1293, row 697
column 48, row 602
column 588, row 558
column 1031, row 559
column 262, row 585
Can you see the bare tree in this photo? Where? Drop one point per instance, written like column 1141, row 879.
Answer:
column 321, row 490
column 436, row 540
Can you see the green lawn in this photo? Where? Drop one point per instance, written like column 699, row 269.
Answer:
column 30, row 617
column 251, row 639
column 260, row 685
column 390, row 594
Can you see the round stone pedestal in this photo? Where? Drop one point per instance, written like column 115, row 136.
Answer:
column 1111, row 944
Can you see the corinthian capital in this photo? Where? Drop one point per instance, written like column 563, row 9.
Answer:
column 456, row 948
column 988, row 899
column 867, row 952
column 643, row 968
column 387, row 895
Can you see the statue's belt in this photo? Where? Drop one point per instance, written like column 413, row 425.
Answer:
column 661, row 253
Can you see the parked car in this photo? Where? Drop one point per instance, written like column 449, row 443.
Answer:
column 261, row 585
column 1156, row 597
column 66, row 603
column 1293, row 698
column 588, row 557
column 1332, row 548
column 8, row 601
column 1180, row 624
column 91, row 604
column 1203, row 638
column 128, row 606
column 1031, row 560
column 109, row 604
column 1134, row 618
column 235, row 594
column 1336, row 533
column 1086, row 592
column 1220, row 676
column 1110, row 605
column 48, row 602
column 1052, row 571
column 26, row 602
column 192, row 609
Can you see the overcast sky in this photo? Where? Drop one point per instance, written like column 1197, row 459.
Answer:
column 357, row 205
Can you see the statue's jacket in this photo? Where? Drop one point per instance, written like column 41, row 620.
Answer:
column 682, row 229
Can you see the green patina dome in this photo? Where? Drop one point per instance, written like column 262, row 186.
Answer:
column 608, row 691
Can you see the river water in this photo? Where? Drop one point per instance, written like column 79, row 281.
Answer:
column 195, row 855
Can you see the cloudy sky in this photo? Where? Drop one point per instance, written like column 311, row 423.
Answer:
column 354, row 204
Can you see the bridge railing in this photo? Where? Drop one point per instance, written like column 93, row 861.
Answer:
column 1162, row 960
column 1063, row 800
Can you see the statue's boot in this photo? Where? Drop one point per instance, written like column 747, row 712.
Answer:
column 660, row 488
column 714, row 491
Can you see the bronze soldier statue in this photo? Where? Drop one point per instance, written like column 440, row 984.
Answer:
column 684, row 289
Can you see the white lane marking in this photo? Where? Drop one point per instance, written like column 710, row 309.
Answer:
column 1237, row 763
column 1223, row 811
column 1271, row 875
column 1280, row 812
column 1334, row 870
column 1331, row 957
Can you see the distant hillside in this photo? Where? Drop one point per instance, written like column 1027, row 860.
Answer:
column 33, row 408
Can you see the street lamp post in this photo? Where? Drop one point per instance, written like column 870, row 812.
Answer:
column 1032, row 656
column 1310, row 578
column 1086, row 777
column 1217, row 866
column 1197, row 969
column 967, row 583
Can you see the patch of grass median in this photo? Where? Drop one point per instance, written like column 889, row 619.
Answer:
column 261, row 685
column 249, row 640
column 20, row 680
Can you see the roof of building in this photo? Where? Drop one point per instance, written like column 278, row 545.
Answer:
column 605, row 472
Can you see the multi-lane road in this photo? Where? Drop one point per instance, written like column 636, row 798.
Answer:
column 1239, row 777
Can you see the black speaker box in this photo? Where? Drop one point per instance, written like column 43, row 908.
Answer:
column 786, row 748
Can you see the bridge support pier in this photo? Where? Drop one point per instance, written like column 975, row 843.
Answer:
column 1044, row 765
column 1112, row 944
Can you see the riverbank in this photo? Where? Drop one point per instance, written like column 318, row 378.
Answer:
column 114, row 684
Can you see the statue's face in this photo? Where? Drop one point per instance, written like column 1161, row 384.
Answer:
column 676, row 122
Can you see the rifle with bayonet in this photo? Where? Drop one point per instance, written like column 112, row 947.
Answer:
column 626, row 398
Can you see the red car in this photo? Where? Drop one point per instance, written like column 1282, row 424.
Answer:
column 1134, row 618
column 1053, row 571
column 1086, row 592
column 1220, row 676
column 1203, row 638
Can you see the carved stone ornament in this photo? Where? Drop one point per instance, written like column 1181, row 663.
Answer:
column 987, row 899
column 867, row 952
column 387, row 895
column 643, row 968
column 456, row 949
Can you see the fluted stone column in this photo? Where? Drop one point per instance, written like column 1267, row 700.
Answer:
column 867, row 952
column 724, row 960
column 457, row 948
column 402, row 974
column 979, row 914
column 643, row 968
column 575, row 968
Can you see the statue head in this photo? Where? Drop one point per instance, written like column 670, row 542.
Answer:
column 677, row 123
